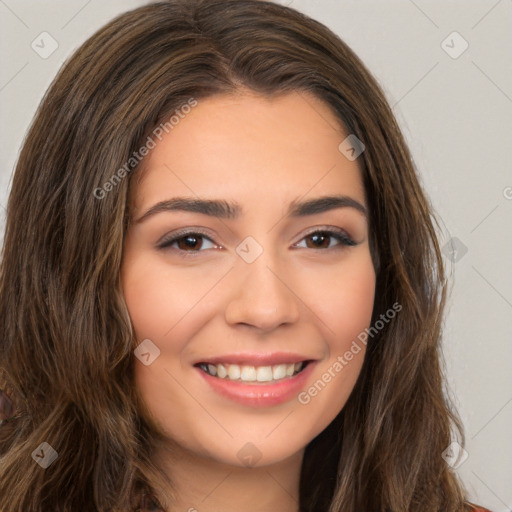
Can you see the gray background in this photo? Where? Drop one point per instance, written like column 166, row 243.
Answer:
column 456, row 116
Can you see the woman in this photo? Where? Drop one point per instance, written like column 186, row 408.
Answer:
column 221, row 287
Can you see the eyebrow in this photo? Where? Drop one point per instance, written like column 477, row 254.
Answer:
column 232, row 210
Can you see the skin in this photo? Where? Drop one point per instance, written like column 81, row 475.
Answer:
column 297, row 296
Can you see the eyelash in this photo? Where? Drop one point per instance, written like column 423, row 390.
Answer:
column 338, row 234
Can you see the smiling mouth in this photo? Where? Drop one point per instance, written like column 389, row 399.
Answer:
column 248, row 373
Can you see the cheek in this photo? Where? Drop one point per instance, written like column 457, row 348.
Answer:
column 165, row 307
column 343, row 300
column 159, row 308
column 343, row 297
column 158, row 299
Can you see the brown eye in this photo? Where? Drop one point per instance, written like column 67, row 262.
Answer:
column 187, row 242
column 321, row 239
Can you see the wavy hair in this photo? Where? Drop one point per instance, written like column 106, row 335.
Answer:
column 67, row 342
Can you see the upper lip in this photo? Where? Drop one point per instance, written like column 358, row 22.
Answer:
column 256, row 359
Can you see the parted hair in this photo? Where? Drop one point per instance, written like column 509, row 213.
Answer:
column 66, row 342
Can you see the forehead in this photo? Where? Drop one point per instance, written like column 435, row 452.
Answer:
column 249, row 147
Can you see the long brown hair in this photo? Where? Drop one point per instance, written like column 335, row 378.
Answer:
column 67, row 341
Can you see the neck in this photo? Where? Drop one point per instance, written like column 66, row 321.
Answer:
column 205, row 485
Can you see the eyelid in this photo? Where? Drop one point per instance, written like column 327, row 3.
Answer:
column 168, row 237
column 329, row 230
column 344, row 238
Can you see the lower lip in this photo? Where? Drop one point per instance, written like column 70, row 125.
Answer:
column 261, row 394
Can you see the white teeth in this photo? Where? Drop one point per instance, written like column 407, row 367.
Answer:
column 279, row 371
column 247, row 373
column 233, row 371
column 221, row 371
column 264, row 373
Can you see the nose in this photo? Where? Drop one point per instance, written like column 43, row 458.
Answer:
column 262, row 295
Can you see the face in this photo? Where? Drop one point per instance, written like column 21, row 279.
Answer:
column 248, row 309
